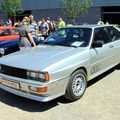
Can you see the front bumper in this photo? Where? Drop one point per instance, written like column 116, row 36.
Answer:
column 25, row 94
column 54, row 89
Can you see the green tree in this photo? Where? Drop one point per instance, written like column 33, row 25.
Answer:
column 73, row 8
column 11, row 7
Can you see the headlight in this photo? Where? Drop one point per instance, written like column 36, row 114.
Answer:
column 40, row 76
column 2, row 51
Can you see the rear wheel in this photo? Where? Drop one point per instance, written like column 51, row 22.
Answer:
column 76, row 85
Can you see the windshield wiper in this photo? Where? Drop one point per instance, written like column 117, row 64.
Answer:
column 61, row 44
column 46, row 43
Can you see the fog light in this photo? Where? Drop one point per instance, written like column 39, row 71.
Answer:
column 33, row 89
column 38, row 89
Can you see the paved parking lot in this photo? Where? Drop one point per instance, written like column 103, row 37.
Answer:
column 100, row 102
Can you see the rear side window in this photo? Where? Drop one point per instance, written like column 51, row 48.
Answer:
column 100, row 34
column 113, row 33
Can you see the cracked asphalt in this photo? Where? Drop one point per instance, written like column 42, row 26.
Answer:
column 101, row 101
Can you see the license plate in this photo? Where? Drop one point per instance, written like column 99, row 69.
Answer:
column 9, row 83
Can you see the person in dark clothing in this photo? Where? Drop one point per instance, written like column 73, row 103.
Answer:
column 26, row 38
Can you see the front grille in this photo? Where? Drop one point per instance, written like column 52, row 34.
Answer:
column 12, row 71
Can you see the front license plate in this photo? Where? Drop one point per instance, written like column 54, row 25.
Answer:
column 9, row 83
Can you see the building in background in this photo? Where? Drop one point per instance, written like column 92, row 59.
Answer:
column 108, row 10
column 52, row 8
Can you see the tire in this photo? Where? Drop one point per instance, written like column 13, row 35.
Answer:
column 77, row 85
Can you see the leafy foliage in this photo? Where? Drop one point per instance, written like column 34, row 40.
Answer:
column 10, row 7
column 73, row 8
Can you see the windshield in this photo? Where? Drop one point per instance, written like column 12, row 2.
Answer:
column 77, row 37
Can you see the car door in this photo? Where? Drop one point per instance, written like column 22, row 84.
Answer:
column 115, row 43
column 101, row 57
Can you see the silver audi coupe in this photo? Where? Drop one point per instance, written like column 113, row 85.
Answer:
column 62, row 64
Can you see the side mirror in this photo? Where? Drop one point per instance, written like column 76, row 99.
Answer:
column 97, row 44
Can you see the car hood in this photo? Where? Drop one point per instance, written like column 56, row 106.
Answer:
column 8, row 43
column 39, row 57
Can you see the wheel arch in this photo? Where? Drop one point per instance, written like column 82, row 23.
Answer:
column 83, row 68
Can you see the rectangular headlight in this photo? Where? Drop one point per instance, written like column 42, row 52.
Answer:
column 44, row 76
column 41, row 76
column 33, row 75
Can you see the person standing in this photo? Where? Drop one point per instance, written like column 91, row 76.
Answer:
column 107, row 23
column 44, row 28
column 9, row 22
column 33, row 26
column 51, row 24
column 61, row 23
column 26, row 38
column 100, row 22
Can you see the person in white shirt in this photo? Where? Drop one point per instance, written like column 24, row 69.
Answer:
column 100, row 22
column 43, row 27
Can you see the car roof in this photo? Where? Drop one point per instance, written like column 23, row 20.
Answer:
column 87, row 26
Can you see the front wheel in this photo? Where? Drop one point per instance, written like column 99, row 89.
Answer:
column 76, row 85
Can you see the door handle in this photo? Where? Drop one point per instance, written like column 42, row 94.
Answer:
column 111, row 46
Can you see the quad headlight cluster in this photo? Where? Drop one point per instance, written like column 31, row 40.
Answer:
column 40, row 76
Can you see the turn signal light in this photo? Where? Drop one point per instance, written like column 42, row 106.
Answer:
column 42, row 89
column 46, row 76
column 38, row 89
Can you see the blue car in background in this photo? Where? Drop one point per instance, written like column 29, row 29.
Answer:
column 10, row 46
column 7, row 47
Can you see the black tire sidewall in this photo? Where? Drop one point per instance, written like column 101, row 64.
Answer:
column 70, row 93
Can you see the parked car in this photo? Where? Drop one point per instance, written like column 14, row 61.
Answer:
column 63, row 64
column 8, row 33
column 10, row 46
column 7, row 47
